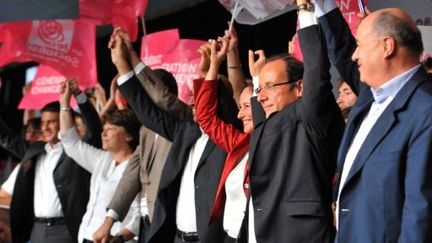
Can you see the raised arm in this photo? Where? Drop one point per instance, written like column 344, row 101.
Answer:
column 234, row 66
column 82, row 153
column 318, row 101
column 153, row 85
column 89, row 115
column 151, row 116
column 206, row 96
column 340, row 42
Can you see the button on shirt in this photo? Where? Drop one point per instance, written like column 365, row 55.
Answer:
column 185, row 213
column 383, row 97
column 46, row 199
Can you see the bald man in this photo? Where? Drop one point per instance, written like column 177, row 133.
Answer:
column 384, row 189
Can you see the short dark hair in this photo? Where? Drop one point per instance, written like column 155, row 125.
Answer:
column 125, row 118
column 427, row 64
column 293, row 67
column 168, row 79
column 51, row 107
column 405, row 34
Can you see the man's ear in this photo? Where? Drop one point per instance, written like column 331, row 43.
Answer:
column 299, row 88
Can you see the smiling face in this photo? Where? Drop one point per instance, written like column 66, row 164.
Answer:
column 368, row 54
column 278, row 97
column 245, row 110
column 114, row 138
column 50, row 126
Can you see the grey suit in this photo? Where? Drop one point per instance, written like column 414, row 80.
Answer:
column 144, row 170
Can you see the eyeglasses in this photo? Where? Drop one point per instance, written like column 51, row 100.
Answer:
column 270, row 86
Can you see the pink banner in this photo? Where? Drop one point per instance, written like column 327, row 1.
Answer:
column 349, row 9
column 178, row 56
column 120, row 13
column 45, row 88
column 66, row 45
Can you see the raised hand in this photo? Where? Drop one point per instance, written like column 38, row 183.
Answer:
column 65, row 94
column 204, row 64
column 256, row 65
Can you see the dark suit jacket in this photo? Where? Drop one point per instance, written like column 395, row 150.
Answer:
column 293, row 157
column 183, row 134
column 144, row 169
column 387, row 194
column 71, row 180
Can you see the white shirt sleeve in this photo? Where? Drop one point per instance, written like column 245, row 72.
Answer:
column 139, row 67
column 81, row 98
column 306, row 19
column 9, row 184
column 84, row 154
column 132, row 219
column 322, row 7
column 125, row 77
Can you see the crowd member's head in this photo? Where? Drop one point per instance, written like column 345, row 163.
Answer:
column 120, row 130
column 50, row 125
column 168, row 79
column 280, row 83
column 388, row 44
column 32, row 130
column 245, row 110
column 79, row 124
column 427, row 64
column 346, row 98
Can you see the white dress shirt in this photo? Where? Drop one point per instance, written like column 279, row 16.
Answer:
column 104, row 180
column 383, row 97
column 235, row 203
column 185, row 211
column 46, row 200
column 9, row 184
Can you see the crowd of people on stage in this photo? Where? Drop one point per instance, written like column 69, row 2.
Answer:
column 277, row 158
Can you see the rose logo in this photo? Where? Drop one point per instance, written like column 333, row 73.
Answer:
column 50, row 31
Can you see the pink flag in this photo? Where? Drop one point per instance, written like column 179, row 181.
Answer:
column 66, row 45
column 178, row 56
column 45, row 88
column 122, row 13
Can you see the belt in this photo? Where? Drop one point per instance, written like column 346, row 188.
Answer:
column 51, row 221
column 188, row 236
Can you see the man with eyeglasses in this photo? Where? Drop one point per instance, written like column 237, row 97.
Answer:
column 293, row 151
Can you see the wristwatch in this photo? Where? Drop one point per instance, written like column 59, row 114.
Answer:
column 307, row 6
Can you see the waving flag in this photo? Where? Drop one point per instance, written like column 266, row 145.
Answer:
column 45, row 88
column 178, row 56
column 66, row 45
column 121, row 13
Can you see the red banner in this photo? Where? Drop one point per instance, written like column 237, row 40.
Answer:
column 178, row 56
column 120, row 13
column 45, row 88
column 66, row 45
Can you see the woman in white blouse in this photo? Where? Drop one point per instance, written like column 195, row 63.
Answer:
column 119, row 139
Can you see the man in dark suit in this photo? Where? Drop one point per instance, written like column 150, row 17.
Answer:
column 385, row 160
column 293, row 152
column 192, row 169
column 51, row 190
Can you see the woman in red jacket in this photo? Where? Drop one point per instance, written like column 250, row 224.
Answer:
column 232, row 193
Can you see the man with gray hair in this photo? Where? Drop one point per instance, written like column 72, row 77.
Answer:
column 383, row 193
